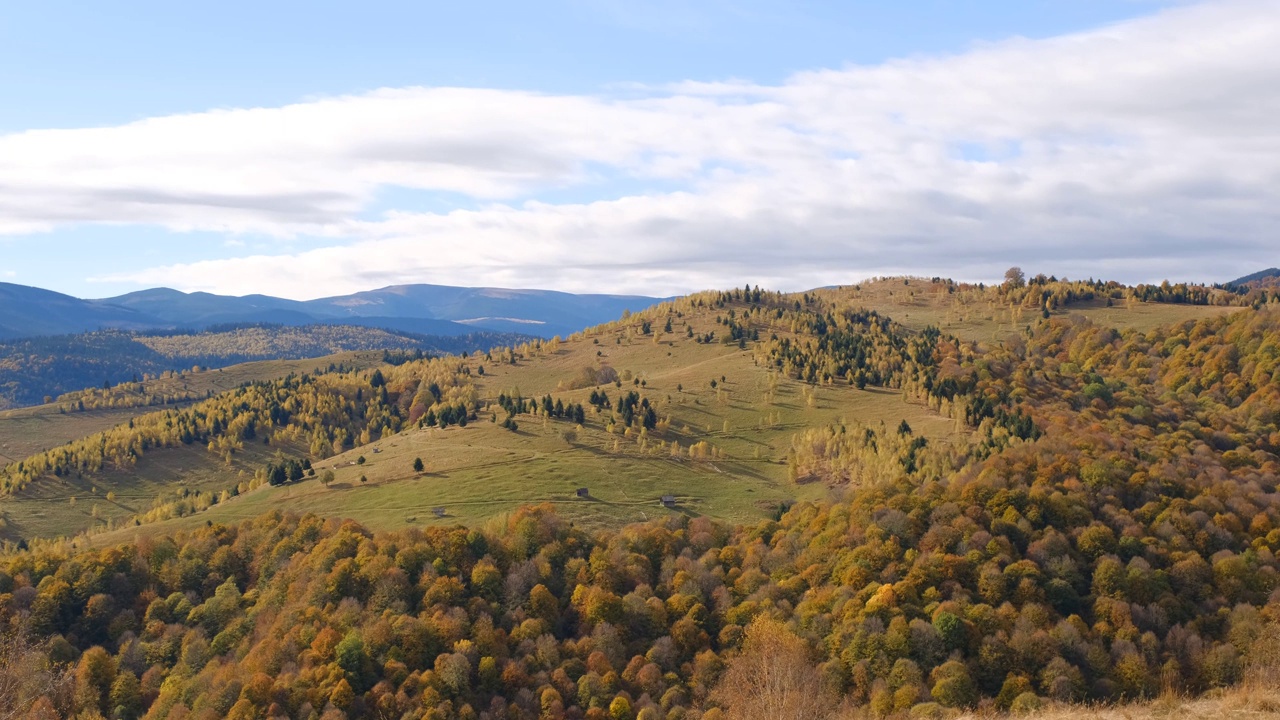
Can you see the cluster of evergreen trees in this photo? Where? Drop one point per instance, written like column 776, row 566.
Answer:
column 557, row 408
column 548, row 406
column 634, row 408
column 287, row 470
column 445, row 415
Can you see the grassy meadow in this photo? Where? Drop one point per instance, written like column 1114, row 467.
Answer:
column 973, row 314
column 482, row 471
column 27, row 431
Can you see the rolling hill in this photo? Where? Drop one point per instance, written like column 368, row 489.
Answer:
column 30, row 430
column 422, row 309
column 27, row 311
column 36, row 368
column 1262, row 278
column 1046, row 495
column 751, row 416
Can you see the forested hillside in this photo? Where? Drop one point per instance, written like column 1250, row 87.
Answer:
column 1104, row 528
column 34, row 369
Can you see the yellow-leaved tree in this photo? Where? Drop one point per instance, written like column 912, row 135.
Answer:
column 774, row 678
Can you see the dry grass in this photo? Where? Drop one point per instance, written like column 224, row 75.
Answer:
column 32, row 430
column 482, row 471
column 46, row 509
column 1249, row 701
column 1244, row 702
column 977, row 315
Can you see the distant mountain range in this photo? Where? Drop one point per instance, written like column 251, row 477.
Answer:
column 421, row 309
column 1270, row 276
column 27, row 311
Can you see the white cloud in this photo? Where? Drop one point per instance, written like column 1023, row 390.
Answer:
column 1141, row 150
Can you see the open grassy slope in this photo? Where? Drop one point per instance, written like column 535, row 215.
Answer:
column 483, row 470
column 68, row 505
column 47, row 510
column 973, row 314
column 26, row 431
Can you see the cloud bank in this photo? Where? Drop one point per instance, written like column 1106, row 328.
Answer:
column 1142, row 150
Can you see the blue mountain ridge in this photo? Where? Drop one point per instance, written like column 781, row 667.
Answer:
column 421, row 309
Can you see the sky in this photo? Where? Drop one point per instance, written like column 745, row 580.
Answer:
column 657, row 147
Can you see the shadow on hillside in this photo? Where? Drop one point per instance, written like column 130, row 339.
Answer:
column 740, row 469
column 592, row 449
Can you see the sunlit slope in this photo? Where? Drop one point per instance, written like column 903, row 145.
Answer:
column 726, row 410
column 482, row 470
column 986, row 313
column 476, row 472
column 26, row 431
column 1101, row 524
column 74, row 502
column 57, row 507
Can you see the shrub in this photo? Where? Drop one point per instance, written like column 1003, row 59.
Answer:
column 1026, row 703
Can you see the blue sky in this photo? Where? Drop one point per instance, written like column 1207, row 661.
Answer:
column 76, row 64
column 604, row 85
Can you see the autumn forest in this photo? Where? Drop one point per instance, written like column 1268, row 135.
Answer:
column 1073, row 498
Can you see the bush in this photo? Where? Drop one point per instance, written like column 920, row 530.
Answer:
column 1026, row 703
column 954, row 687
column 928, row 711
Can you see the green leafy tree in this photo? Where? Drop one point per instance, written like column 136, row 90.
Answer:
column 126, row 696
